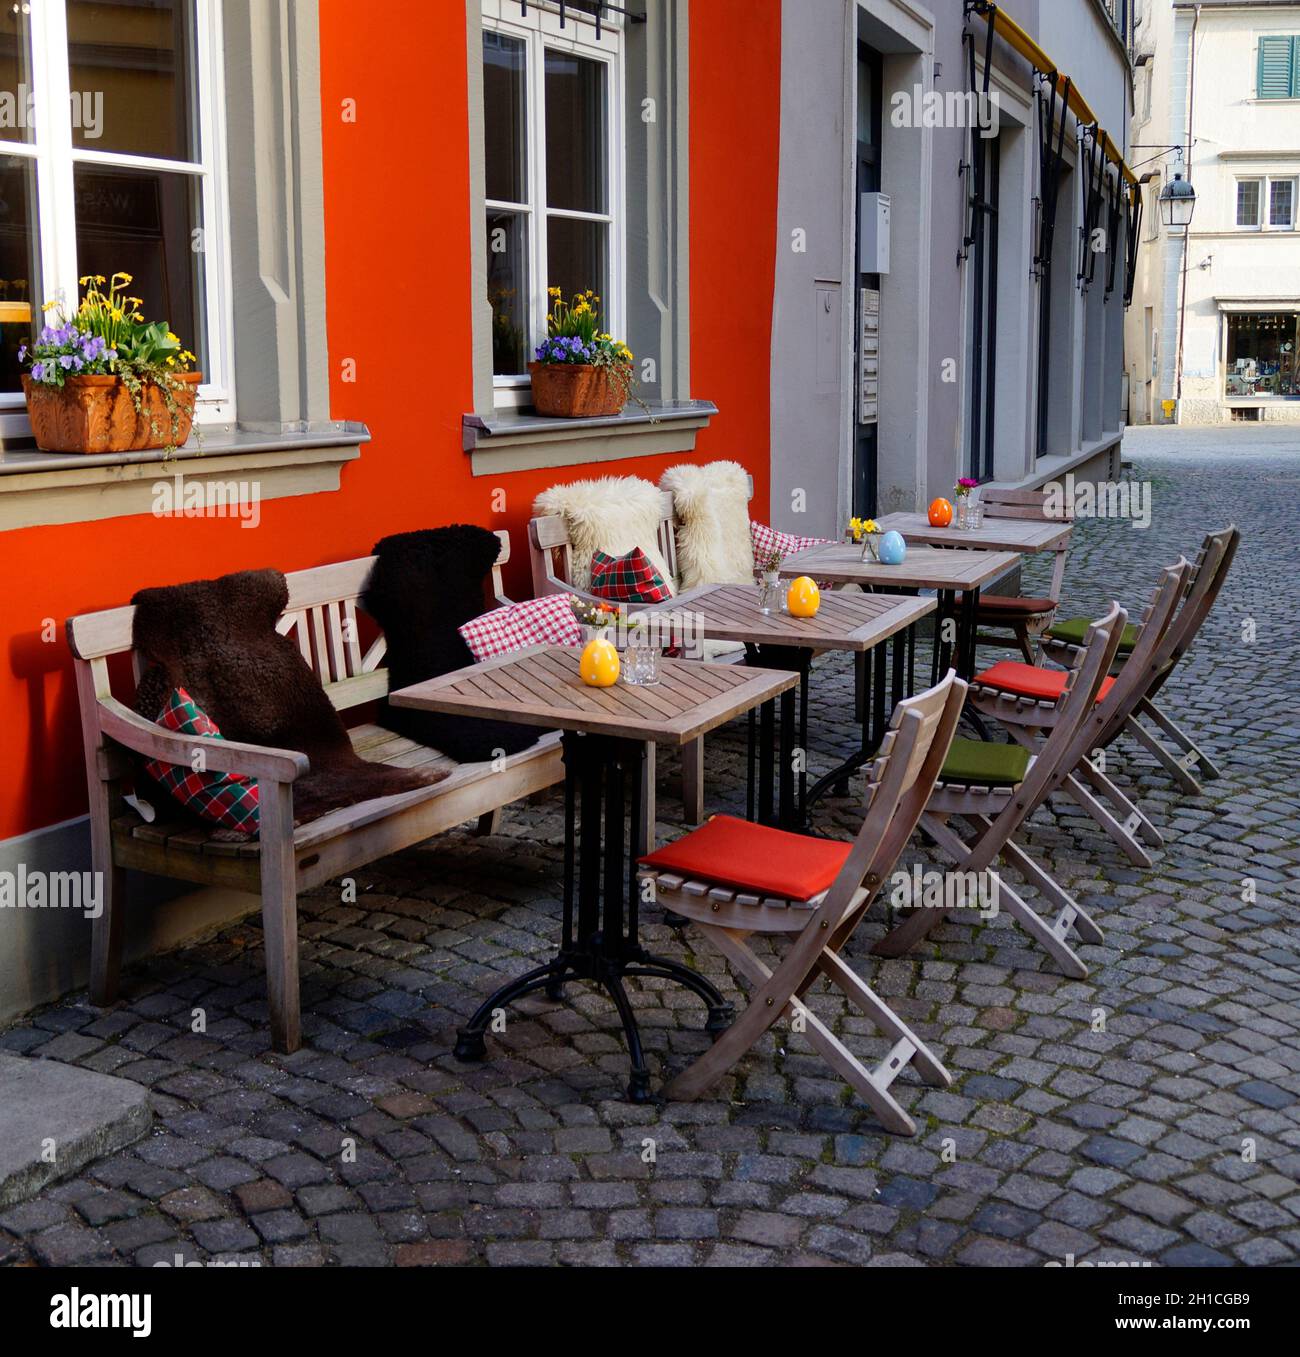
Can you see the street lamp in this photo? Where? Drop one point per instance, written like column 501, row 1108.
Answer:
column 1177, row 202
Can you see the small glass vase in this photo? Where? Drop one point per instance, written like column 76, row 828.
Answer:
column 871, row 546
column 963, row 512
column 769, row 591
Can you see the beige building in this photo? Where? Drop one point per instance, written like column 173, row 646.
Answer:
column 1215, row 322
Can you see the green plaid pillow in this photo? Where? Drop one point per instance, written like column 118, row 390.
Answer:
column 628, row 579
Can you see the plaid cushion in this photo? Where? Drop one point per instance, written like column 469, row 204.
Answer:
column 767, row 540
column 628, row 579
column 535, row 621
column 226, row 799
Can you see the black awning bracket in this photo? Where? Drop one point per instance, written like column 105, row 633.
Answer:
column 596, row 11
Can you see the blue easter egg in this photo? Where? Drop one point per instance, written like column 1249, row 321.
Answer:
column 892, row 549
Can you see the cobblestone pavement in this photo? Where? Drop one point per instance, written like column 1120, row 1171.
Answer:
column 1148, row 1113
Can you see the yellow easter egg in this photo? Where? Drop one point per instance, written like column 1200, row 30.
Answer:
column 599, row 666
column 803, row 598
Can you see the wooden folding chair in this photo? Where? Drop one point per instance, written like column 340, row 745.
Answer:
column 1204, row 582
column 994, row 788
column 1000, row 691
column 1024, row 617
column 900, row 782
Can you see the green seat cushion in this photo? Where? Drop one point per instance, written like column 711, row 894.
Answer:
column 1073, row 631
column 985, row 764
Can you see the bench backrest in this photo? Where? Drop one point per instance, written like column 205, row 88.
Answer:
column 552, row 561
column 321, row 615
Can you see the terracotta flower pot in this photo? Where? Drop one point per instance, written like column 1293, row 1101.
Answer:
column 97, row 414
column 575, row 390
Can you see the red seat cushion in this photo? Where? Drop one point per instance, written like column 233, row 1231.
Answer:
column 1028, row 680
column 756, row 858
column 993, row 607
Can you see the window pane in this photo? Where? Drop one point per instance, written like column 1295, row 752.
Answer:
column 577, row 258
column 1280, row 202
column 20, row 287
column 1248, row 202
column 15, row 73
column 146, row 223
column 131, row 70
column 505, row 118
column 507, row 256
column 575, row 133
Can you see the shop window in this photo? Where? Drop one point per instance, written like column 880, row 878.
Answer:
column 1278, row 72
column 553, row 165
column 1261, row 354
column 1248, row 202
column 109, row 162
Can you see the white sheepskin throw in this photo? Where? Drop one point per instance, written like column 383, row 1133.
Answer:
column 612, row 514
column 712, row 505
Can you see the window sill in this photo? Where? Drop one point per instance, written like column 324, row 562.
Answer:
column 44, row 488
column 522, row 440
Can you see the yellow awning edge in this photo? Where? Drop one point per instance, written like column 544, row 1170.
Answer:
column 1019, row 41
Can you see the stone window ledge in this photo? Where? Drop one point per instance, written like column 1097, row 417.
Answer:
column 43, row 488
column 522, row 440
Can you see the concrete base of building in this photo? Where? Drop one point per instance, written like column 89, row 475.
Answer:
column 1200, row 411
column 45, row 951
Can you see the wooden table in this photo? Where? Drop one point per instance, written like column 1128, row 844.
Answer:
column 947, row 572
column 605, row 731
column 855, row 622
column 1026, row 535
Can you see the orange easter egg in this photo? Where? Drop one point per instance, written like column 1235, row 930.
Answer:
column 940, row 513
column 803, row 598
column 599, row 664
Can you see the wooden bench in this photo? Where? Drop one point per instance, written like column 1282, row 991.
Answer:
column 551, row 559
column 322, row 616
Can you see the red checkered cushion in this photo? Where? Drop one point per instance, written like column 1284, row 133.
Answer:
column 535, row 621
column 767, row 540
column 627, row 579
column 225, row 799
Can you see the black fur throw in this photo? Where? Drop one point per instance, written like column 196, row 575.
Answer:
column 217, row 640
column 424, row 585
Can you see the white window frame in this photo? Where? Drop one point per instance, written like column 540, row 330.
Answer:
column 539, row 30
column 1266, row 182
column 52, row 150
column 1267, row 210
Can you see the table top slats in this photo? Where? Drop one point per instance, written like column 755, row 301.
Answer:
column 844, row 621
column 924, row 568
column 541, row 686
column 1029, row 534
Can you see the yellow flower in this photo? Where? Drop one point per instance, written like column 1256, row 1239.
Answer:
column 99, row 277
column 81, row 282
column 175, row 339
column 552, row 291
column 870, row 526
column 49, row 306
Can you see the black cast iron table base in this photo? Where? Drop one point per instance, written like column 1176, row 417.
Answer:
column 599, row 940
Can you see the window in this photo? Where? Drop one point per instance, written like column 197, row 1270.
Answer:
column 1261, row 354
column 553, row 164
column 1278, row 71
column 108, row 156
column 1266, row 204
column 1281, row 203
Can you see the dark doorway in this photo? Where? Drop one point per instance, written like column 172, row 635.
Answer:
column 865, row 362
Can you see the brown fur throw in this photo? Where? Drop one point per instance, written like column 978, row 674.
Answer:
column 217, row 639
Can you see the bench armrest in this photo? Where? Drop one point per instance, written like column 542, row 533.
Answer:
column 128, row 728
